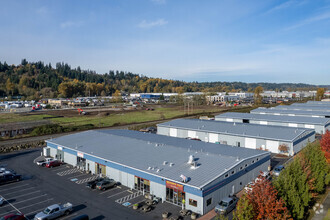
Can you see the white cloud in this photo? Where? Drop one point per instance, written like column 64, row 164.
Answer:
column 316, row 18
column 150, row 24
column 68, row 24
column 160, row 2
column 286, row 5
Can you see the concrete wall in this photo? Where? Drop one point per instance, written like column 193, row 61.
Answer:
column 91, row 166
column 158, row 190
column 70, row 159
column 199, row 200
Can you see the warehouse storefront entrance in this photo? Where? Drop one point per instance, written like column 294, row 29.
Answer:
column 59, row 154
column 100, row 169
column 175, row 193
column 142, row 184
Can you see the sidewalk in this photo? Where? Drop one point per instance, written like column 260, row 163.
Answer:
column 211, row 214
column 323, row 209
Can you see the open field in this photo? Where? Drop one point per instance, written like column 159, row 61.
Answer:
column 68, row 120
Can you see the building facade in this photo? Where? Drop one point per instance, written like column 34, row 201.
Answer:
column 186, row 173
column 252, row 136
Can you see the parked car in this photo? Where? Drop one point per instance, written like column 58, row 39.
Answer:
column 13, row 216
column 92, row 184
column 278, row 169
column 54, row 211
column 106, row 184
column 9, row 177
column 54, row 163
column 249, row 186
column 226, row 205
column 45, row 161
column 149, row 130
column 266, row 175
column 81, row 217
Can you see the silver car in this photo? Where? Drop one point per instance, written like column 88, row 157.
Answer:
column 226, row 205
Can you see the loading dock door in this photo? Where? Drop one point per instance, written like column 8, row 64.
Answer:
column 213, row 138
column 294, row 125
column 229, row 119
column 263, row 122
column 192, row 134
column 173, row 132
column 272, row 146
column 250, row 143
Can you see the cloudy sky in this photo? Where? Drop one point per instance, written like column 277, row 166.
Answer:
column 191, row 40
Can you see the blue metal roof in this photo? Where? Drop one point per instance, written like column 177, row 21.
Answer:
column 276, row 118
column 239, row 129
column 140, row 151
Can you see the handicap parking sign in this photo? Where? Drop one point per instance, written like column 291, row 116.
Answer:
column 126, row 204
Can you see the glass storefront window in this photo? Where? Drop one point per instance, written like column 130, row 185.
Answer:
column 141, row 184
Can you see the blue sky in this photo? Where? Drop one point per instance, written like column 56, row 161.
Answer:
column 191, row 40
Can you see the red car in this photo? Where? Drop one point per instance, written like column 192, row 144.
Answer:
column 54, row 163
column 13, row 216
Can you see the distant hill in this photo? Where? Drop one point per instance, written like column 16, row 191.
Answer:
column 36, row 79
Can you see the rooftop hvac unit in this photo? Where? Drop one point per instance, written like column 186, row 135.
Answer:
column 194, row 165
column 191, row 159
column 184, row 179
column 165, row 162
column 171, row 164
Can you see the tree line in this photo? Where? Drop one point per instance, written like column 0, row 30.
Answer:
column 35, row 79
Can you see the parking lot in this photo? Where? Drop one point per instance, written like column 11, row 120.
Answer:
column 43, row 186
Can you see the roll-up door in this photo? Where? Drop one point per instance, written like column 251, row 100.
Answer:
column 213, row 138
column 272, row 146
column 250, row 143
column 229, row 119
column 263, row 122
column 192, row 134
column 293, row 125
column 310, row 126
column 173, row 132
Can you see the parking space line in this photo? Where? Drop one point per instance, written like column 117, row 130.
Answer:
column 19, row 191
column 129, row 197
column 60, row 168
column 84, row 174
column 47, row 200
column 117, row 194
column 36, row 211
column 86, row 180
column 106, row 191
column 25, row 194
column 14, row 187
column 29, row 199
column 68, row 172
column 10, row 204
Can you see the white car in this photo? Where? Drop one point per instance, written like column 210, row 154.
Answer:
column 45, row 161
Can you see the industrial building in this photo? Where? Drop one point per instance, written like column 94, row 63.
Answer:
column 292, row 112
column 311, row 105
column 320, row 125
column 303, row 107
column 187, row 173
column 319, row 102
column 252, row 136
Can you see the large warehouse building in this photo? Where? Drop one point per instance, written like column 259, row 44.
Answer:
column 319, row 102
column 310, row 105
column 320, row 114
column 252, row 136
column 173, row 169
column 302, row 107
column 320, row 125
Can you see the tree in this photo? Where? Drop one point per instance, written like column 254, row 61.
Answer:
column 10, row 86
column 265, row 202
column 293, row 188
column 257, row 97
column 244, row 209
column 325, row 145
column 320, row 93
column 117, row 96
column 283, row 148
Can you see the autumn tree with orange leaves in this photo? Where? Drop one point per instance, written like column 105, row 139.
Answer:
column 325, row 145
column 264, row 201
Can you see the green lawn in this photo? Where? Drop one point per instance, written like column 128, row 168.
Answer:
column 14, row 117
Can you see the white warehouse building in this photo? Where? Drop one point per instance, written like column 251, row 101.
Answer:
column 173, row 169
column 291, row 112
column 252, row 136
column 320, row 125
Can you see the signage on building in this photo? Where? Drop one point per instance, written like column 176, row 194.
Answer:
column 59, row 148
column 79, row 154
column 173, row 185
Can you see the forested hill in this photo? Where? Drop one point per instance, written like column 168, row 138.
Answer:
column 32, row 79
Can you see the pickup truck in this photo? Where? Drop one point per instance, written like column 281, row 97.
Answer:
column 9, row 177
column 54, row 211
column 45, row 161
column 226, row 205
